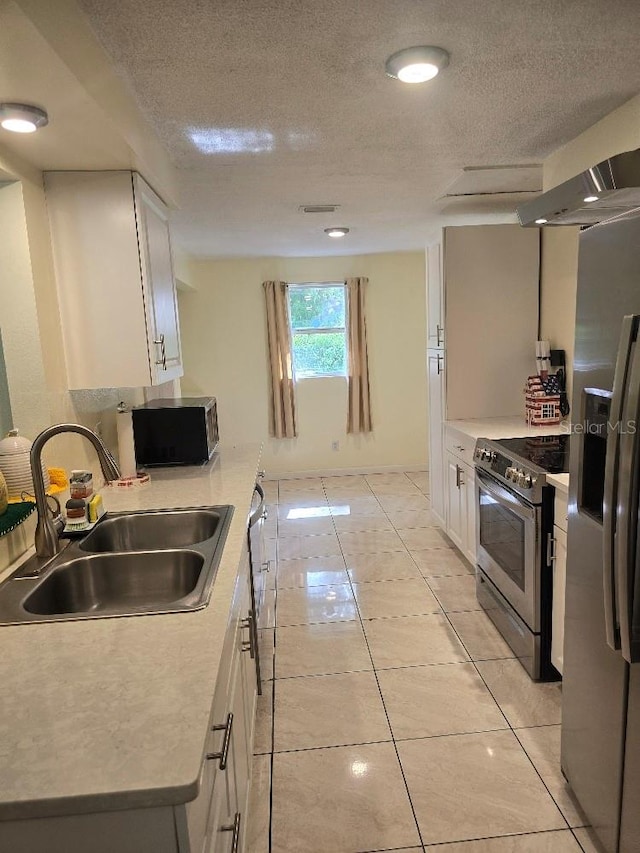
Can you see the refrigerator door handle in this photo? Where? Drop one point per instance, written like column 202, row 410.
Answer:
column 626, row 508
column 629, row 323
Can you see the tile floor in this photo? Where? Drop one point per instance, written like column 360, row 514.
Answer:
column 394, row 716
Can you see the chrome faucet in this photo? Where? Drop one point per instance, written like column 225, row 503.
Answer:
column 49, row 527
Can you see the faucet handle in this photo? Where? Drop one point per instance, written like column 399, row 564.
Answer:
column 56, row 509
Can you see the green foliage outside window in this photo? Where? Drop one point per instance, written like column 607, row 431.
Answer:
column 319, row 308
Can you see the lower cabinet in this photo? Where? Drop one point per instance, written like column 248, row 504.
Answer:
column 456, row 503
column 461, row 506
column 216, row 819
column 559, row 588
column 559, row 562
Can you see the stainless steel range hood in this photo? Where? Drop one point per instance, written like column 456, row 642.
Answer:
column 612, row 186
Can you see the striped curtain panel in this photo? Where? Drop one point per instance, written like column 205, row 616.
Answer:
column 282, row 407
column 359, row 417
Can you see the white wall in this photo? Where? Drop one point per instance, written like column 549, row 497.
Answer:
column 619, row 131
column 224, row 345
column 18, row 320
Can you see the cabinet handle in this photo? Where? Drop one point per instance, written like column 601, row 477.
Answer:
column 163, row 358
column 551, row 550
column 440, row 364
column 224, row 752
column 235, row 828
column 459, row 476
column 266, row 566
column 439, row 335
column 247, row 645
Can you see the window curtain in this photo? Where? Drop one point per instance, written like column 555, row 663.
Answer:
column 282, row 407
column 359, row 417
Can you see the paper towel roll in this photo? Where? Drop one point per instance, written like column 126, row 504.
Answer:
column 126, row 447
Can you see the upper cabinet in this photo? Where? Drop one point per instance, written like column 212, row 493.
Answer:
column 114, row 272
column 435, row 294
column 483, row 312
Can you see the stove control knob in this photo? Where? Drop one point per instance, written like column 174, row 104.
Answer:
column 509, row 473
column 528, row 481
column 489, row 455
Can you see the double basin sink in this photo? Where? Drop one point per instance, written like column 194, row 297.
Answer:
column 162, row 561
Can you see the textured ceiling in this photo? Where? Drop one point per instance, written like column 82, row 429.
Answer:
column 265, row 105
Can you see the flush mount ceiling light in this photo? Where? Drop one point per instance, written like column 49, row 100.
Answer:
column 336, row 232
column 22, row 118
column 541, row 221
column 417, row 64
column 591, row 198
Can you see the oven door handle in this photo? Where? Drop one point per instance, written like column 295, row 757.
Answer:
column 504, row 496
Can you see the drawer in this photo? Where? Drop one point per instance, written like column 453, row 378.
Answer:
column 561, row 510
column 460, row 445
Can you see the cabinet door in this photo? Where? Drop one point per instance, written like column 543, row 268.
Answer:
column 435, row 297
column 470, row 504
column 435, row 379
column 159, row 285
column 456, row 503
column 559, row 586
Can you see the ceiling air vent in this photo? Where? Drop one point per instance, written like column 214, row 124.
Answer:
column 318, row 208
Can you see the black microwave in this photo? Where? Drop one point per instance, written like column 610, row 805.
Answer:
column 181, row 431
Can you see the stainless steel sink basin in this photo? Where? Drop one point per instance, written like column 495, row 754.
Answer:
column 152, row 530
column 130, row 564
column 117, row 582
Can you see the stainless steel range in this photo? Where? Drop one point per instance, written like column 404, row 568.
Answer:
column 515, row 537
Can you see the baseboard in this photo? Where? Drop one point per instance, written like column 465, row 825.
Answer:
column 344, row 472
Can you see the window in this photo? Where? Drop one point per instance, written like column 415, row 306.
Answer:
column 318, row 337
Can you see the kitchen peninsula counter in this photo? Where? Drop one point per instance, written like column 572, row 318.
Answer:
column 113, row 713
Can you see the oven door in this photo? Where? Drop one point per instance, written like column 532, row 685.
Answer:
column 509, row 546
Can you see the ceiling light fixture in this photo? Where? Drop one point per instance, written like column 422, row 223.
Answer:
column 591, row 198
column 336, row 232
column 541, row 221
column 22, row 118
column 417, row 64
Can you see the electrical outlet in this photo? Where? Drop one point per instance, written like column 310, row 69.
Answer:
column 335, row 445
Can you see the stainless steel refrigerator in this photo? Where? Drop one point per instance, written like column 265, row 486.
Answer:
column 601, row 674
column 601, row 683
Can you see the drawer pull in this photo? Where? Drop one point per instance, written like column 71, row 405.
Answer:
column 551, row 550
column 249, row 645
column 235, row 828
column 223, row 755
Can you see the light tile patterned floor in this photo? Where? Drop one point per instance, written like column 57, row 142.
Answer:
column 394, row 716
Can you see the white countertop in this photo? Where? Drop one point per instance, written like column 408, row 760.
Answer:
column 560, row 481
column 113, row 713
column 512, row 427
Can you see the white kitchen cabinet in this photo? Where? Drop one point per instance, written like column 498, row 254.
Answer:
column 114, row 274
column 482, row 298
column 460, row 522
column 435, row 373
column 456, row 503
column 559, row 589
column 202, row 825
column 471, row 550
column 227, row 796
column 559, row 580
column 461, row 511
column 435, row 294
